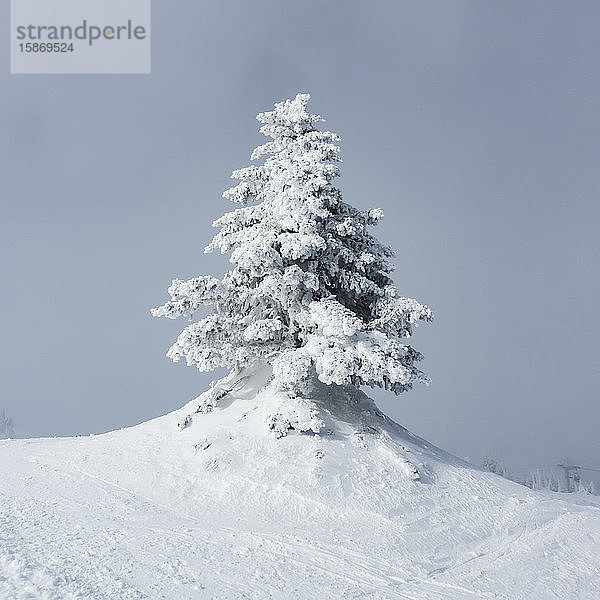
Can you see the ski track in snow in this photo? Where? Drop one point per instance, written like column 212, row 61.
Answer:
column 42, row 573
column 136, row 514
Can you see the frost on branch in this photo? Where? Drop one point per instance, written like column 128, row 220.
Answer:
column 188, row 296
column 309, row 291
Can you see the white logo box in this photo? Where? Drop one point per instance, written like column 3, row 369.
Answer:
column 80, row 36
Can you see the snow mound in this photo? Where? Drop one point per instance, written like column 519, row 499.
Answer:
column 215, row 504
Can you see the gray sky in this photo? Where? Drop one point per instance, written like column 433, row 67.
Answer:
column 474, row 125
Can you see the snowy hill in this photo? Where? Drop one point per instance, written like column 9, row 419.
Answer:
column 224, row 509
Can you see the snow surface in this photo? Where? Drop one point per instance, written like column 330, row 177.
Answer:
column 224, row 509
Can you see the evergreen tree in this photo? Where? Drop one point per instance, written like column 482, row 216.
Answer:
column 310, row 289
column 6, row 426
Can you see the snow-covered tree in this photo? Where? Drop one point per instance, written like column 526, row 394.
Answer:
column 6, row 426
column 310, row 289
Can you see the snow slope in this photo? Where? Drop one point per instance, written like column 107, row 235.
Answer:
column 223, row 509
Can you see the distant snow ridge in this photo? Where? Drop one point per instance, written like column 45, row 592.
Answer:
column 310, row 292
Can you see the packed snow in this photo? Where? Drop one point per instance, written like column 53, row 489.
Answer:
column 209, row 502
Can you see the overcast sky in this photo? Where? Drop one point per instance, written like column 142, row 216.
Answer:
column 474, row 125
